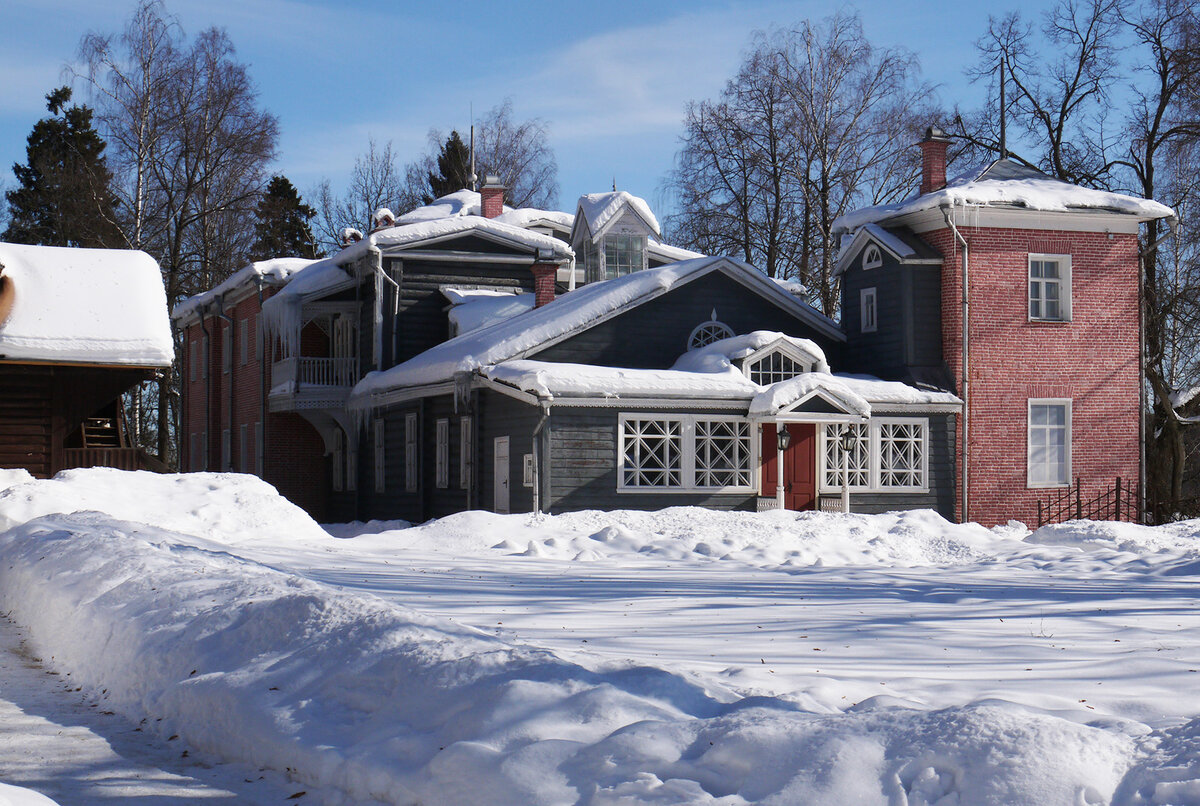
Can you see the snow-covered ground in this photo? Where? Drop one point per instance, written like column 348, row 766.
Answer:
column 679, row 657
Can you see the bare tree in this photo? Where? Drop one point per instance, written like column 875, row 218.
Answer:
column 816, row 122
column 1163, row 134
column 1060, row 104
column 190, row 146
column 519, row 153
column 375, row 182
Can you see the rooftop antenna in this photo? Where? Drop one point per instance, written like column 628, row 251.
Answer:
column 1003, row 142
column 474, row 176
column 614, row 184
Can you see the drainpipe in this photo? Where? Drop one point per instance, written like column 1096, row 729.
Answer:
column 966, row 360
column 264, row 354
column 206, row 365
column 380, row 274
column 232, row 368
column 1143, row 403
column 537, row 474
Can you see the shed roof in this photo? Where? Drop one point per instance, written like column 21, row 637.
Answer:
column 84, row 306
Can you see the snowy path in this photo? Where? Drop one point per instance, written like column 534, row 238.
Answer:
column 54, row 741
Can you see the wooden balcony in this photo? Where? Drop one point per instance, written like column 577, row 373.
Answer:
column 120, row 458
column 304, row 382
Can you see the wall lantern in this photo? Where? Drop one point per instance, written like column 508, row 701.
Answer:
column 784, row 436
column 847, row 439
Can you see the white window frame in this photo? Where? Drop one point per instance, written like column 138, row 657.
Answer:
column 687, row 470
column 1064, row 287
column 1065, row 402
column 466, row 455
column 875, row 427
column 868, row 310
column 830, row 450
column 442, row 454
column 706, row 333
column 411, row 465
column 872, row 257
column 380, row 435
column 803, row 363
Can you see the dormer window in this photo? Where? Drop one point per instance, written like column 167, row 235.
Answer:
column 610, row 234
column 773, row 367
column 872, row 257
column 624, row 254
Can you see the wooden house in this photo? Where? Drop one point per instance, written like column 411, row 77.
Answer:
column 78, row 328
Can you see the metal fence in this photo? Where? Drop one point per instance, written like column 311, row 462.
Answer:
column 1120, row 502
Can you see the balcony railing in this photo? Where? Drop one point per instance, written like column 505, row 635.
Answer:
column 306, row 371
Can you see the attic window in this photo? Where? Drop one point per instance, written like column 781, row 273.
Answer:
column 872, row 258
column 707, row 333
column 623, row 254
column 773, row 367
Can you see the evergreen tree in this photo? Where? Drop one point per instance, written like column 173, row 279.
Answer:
column 454, row 168
column 64, row 195
column 281, row 224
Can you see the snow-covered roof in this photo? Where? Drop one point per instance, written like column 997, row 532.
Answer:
column 905, row 245
column 408, row 235
column 526, row 217
column 571, row 313
column 720, row 355
column 558, row 380
column 667, row 252
column 458, row 203
column 1182, row 397
column 598, row 209
column 88, row 306
column 276, row 271
column 779, row 396
column 475, row 308
column 1004, row 183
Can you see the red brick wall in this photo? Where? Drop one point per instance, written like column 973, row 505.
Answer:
column 293, row 455
column 1092, row 360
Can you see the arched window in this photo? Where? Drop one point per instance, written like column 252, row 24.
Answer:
column 707, row 333
column 872, row 258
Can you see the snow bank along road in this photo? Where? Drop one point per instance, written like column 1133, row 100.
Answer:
column 681, row 657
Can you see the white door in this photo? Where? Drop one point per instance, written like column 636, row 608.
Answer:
column 500, row 475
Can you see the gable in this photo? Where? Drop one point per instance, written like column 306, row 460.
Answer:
column 654, row 334
column 470, row 242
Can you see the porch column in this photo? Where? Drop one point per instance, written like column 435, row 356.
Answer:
column 779, row 467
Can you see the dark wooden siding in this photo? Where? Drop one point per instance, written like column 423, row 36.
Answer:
column 655, row 334
column 583, row 468
column 423, row 322
column 941, row 476
column 907, row 342
column 25, row 419
column 498, row 416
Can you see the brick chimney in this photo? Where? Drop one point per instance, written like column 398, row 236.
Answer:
column 544, row 275
column 933, row 159
column 491, row 197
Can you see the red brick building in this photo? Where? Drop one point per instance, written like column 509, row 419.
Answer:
column 1019, row 293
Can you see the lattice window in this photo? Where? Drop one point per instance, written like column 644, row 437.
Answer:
column 858, row 458
column 872, row 257
column 623, row 254
column 773, row 367
column 652, row 453
column 707, row 333
column 1049, row 443
column 902, row 454
column 722, row 453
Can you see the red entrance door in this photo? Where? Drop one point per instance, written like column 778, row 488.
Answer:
column 799, row 465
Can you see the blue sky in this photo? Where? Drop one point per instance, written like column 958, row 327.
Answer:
column 611, row 79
